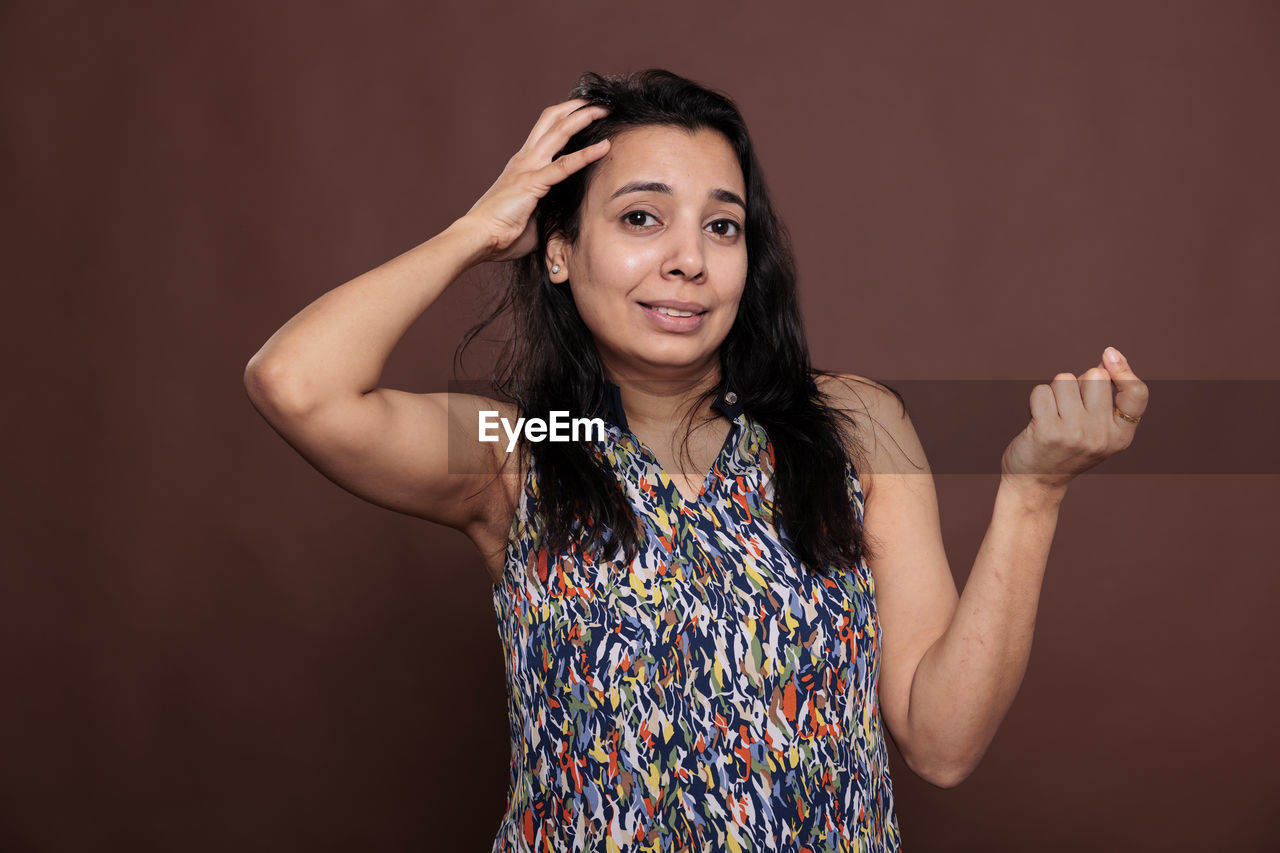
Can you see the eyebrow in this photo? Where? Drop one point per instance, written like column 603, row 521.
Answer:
column 724, row 195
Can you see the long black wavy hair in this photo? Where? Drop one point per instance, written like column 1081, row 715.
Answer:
column 550, row 362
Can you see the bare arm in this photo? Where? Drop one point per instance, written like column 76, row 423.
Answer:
column 965, row 682
column 316, row 379
column 337, row 346
column 952, row 665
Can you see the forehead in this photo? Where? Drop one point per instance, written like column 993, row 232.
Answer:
column 694, row 162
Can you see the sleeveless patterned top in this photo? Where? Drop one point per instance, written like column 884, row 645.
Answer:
column 713, row 695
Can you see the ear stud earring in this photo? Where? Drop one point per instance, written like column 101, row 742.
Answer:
column 555, row 268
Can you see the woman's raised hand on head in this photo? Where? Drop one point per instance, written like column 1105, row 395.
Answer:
column 505, row 211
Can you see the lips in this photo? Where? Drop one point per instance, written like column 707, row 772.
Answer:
column 670, row 316
column 676, row 309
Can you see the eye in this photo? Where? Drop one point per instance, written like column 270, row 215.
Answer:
column 638, row 218
column 725, row 228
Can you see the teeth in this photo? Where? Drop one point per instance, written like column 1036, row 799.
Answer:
column 672, row 312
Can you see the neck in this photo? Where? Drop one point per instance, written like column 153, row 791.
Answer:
column 663, row 404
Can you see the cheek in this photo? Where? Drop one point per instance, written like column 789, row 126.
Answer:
column 739, row 276
column 608, row 271
column 591, row 308
column 599, row 299
column 623, row 268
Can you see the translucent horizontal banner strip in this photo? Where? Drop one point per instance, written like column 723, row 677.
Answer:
column 1191, row 426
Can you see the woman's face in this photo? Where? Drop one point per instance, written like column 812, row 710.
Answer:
column 661, row 259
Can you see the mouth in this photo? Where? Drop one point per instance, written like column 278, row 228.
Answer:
column 674, row 316
column 675, row 309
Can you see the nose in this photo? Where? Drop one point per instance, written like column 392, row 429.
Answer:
column 685, row 256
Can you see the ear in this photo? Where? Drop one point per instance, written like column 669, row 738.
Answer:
column 557, row 256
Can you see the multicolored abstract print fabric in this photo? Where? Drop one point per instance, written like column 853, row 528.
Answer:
column 713, row 695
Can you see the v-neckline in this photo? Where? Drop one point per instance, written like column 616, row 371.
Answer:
column 730, row 441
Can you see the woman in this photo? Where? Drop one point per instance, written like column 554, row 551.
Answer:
column 710, row 606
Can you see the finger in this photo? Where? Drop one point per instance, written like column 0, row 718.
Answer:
column 556, row 136
column 550, row 116
column 1043, row 407
column 1066, row 395
column 562, row 167
column 1095, row 390
column 1132, row 396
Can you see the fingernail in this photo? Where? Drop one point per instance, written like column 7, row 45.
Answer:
column 1112, row 354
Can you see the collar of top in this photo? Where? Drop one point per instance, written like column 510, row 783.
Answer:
column 726, row 403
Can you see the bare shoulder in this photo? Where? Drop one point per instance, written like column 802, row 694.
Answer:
column 885, row 440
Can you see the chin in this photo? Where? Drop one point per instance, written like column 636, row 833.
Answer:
column 664, row 356
column 673, row 362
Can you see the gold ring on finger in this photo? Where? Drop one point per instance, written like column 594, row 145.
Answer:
column 1130, row 418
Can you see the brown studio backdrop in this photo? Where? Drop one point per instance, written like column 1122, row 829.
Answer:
column 207, row 646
